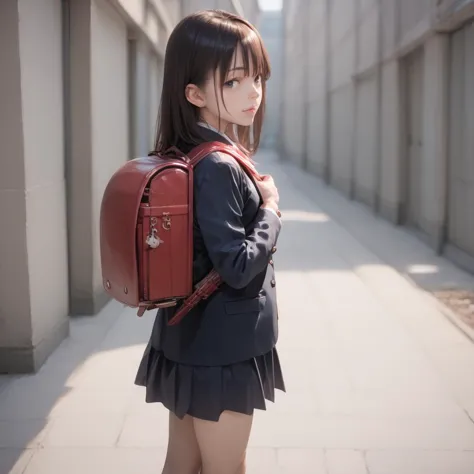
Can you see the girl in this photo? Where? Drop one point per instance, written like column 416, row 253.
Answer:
column 220, row 363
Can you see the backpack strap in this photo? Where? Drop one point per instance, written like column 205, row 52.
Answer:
column 198, row 153
column 204, row 289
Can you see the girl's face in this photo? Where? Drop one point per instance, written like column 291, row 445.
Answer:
column 236, row 101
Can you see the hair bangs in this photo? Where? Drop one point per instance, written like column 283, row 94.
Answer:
column 256, row 61
column 240, row 35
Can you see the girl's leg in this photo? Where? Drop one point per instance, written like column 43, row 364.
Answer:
column 223, row 444
column 183, row 456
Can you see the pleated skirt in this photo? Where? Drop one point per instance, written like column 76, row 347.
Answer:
column 205, row 392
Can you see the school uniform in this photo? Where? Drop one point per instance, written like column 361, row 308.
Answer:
column 222, row 355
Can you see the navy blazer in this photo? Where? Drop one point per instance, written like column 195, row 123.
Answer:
column 236, row 237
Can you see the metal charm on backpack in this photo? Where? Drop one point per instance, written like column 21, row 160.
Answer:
column 153, row 240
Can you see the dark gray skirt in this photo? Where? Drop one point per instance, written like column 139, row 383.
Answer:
column 205, row 392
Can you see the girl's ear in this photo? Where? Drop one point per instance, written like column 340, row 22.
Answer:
column 195, row 95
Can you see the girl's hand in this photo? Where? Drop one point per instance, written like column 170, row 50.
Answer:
column 269, row 192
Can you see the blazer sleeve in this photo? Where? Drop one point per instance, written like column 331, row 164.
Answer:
column 236, row 254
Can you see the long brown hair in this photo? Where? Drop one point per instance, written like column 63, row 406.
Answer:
column 200, row 44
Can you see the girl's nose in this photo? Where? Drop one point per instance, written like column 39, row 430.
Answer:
column 255, row 91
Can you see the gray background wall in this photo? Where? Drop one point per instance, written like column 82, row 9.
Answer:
column 377, row 101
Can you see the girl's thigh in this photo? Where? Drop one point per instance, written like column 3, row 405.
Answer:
column 183, row 455
column 223, row 444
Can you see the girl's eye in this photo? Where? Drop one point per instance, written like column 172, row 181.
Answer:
column 231, row 83
column 258, row 79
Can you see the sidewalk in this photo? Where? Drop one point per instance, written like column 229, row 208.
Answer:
column 379, row 380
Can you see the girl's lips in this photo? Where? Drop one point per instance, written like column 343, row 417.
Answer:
column 251, row 109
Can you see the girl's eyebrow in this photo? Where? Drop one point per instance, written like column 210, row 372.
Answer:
column 240, row 68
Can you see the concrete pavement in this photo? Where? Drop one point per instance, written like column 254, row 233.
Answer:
column 379, row 381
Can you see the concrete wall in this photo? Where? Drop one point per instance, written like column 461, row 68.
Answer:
column 390, row 197
column 366, row 127
column 317, row 112
column 358, row 110
column 249, row 9
column 99, row 138
column 109, row 114
column 414, row 18
column 270, row 26
column 366, row 134
column 14, row 332
column 293, row 110
column 41, row 84
column 65, row 127
column 190, row 6
column 460, row 220
column 390, row 172
column 33, row 274
column 435, row 133
column 342, row 92
column 140, row 77
column 172, row 10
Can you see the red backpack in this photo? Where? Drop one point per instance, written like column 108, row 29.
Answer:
column 146, row 231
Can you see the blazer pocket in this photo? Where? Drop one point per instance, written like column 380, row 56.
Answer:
column 248, row 305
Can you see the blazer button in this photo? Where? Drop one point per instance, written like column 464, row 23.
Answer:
column 273, row 283
column 274, row 249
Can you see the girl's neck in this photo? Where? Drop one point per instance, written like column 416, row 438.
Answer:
column 210, row 127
